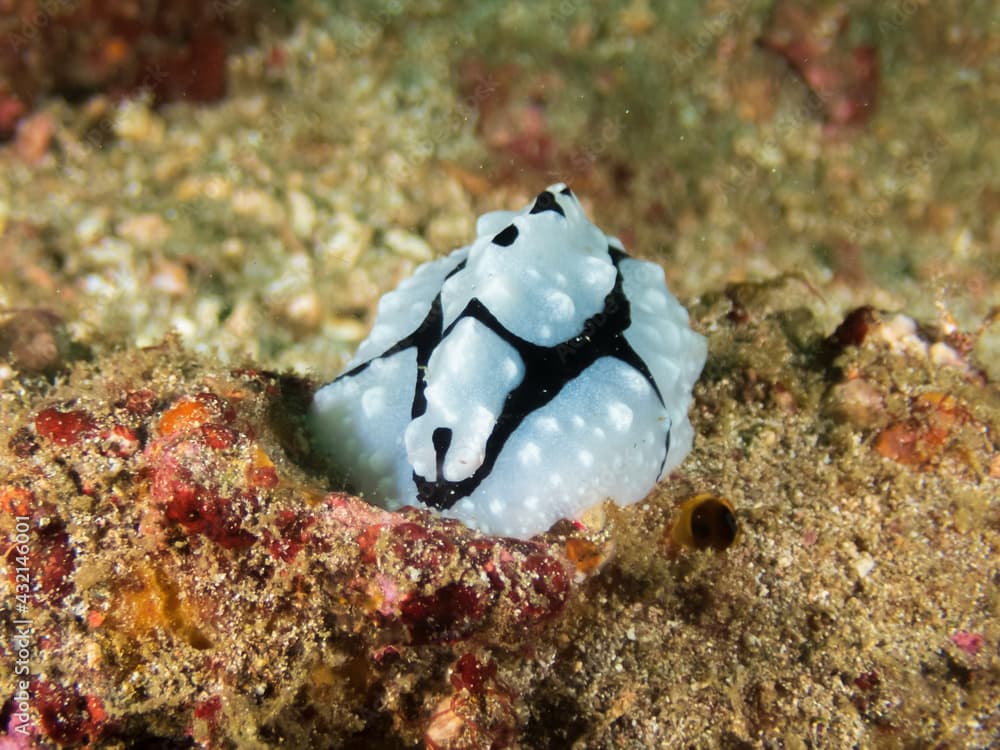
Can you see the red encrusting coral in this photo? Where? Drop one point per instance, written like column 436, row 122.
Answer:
column 65, row 716
column 923, row 438
column 290, row 535
column 925, row 428
column 64, row 427
column 53, row 563
column 176, row 51
column 172, row 527
column 188, row 466
column 812, row 41
column 47, row 555
column 490, row 575
column 478, row 714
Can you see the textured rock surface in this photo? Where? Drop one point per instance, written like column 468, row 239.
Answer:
column 190, row 581
column 184, row 578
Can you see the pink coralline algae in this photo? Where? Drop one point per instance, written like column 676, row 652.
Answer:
column 970, row 643
column 172, row 533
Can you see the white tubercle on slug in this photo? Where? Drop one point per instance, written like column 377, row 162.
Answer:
column 519, row 380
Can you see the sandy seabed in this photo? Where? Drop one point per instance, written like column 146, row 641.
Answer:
column 171, row 296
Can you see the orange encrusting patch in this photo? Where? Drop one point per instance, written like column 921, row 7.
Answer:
column 145, row 603
column 261, row 472
column 586, row 556
column 186, row 414
column 190, row 412
column 16, row 501
column 929, row 433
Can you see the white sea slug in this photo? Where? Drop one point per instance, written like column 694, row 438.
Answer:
column 519, row 380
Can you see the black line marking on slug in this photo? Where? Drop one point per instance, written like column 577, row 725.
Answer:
column 441, row 440
column 426, row 335
column 566, row 191
column 456, row 269
column 506, row 237
column 547, row 369
column 546, row 202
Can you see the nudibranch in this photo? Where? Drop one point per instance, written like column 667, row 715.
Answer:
column 518, row 380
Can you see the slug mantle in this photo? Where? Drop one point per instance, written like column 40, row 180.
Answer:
column 518, row 380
